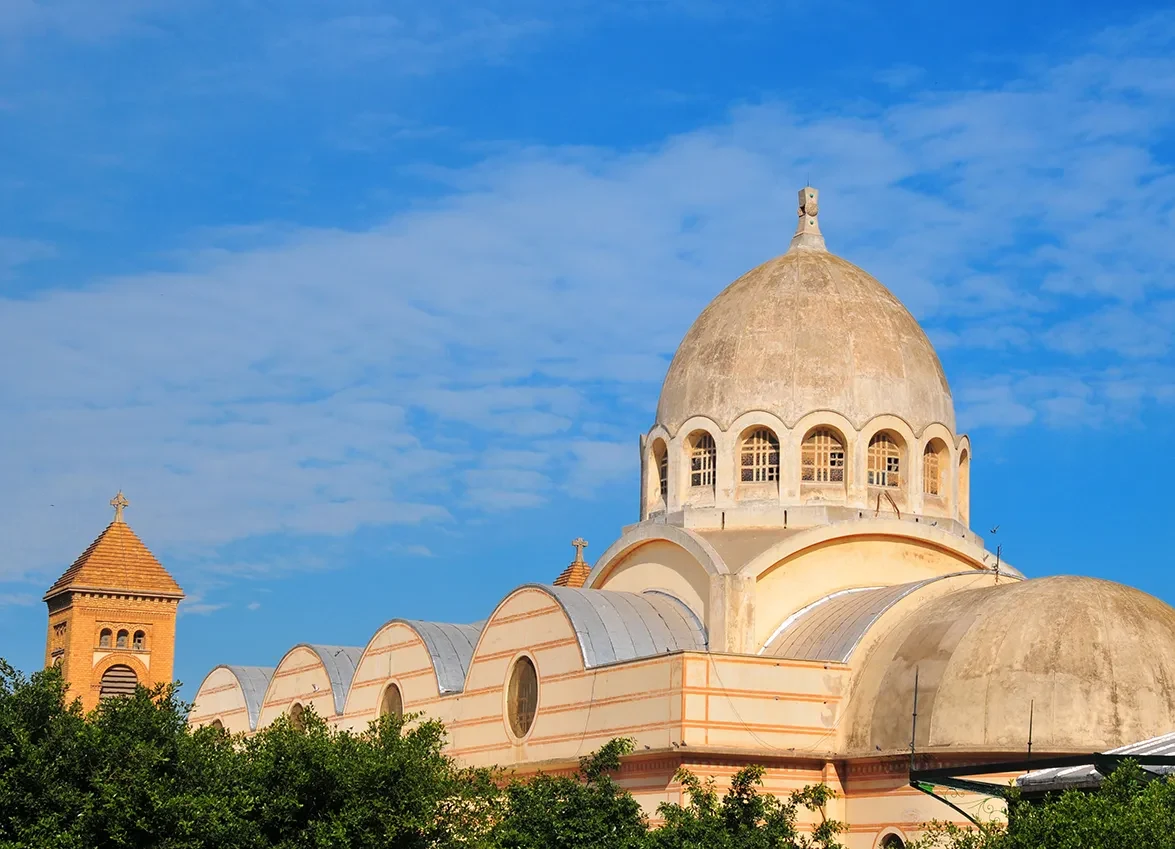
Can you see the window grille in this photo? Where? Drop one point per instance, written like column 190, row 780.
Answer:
column 760, row 457
column 118, row 681
column 822, row 458
column 885, row 461
column 663, row 474
column 703, row 461
column 930, row 471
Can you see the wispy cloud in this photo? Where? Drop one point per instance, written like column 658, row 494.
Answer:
column 494, row 347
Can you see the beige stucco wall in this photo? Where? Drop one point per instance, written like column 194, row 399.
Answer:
column 220, row 697
column 299, row 678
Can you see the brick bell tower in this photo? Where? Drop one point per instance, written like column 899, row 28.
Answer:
column 112, row 616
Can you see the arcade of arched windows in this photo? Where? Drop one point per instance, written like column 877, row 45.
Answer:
column 922, row 473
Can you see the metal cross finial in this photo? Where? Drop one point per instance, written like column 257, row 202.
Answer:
column 119, row 503
column 580, row 544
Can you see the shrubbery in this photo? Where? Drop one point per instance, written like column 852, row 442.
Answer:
column 133, row 774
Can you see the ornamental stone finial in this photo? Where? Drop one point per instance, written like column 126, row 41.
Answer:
column 580, row 544
column 808, row 230
column 119, row 503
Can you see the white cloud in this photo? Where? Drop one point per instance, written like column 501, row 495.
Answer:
column 490, row 350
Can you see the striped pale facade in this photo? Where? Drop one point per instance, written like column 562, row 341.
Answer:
column 802, row 559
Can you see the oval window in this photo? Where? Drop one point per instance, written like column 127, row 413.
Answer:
column 393, row 702
column 522, row 696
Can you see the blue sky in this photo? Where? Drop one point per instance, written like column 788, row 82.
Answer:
column 364, row 306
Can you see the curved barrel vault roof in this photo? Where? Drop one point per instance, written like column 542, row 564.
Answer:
column 254, row 681
column 338, row 662
column 613, row 627
column 450, row 647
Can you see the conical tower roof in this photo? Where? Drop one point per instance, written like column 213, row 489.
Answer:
column 117, row 561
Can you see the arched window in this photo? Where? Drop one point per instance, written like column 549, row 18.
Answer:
column 759, row 457
column 703, row 460
column 123, row 639
column 118, row 680
column 392, row 703
column 104, row 638
column 217, row 724
column 659, row 464
column 965, row 486
column 822, row 457
column 522, row 696
column 892, row 841
column 885, row 461
column 934, row 461
column 297, row 717
column 139, row 643
column 663, row 475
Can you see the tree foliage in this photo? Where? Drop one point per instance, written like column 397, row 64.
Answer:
column 132, row 773
column 1130, row 809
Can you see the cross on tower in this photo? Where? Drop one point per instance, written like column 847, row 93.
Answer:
column 580, row 544
column 119, row 503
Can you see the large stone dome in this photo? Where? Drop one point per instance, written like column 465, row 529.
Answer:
column 806, row 331
column 1093, row 661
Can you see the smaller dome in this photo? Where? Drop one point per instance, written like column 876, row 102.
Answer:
column 1092, row 659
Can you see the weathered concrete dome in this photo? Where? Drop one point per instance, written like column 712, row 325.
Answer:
column 806, row 331
column 1094, row 660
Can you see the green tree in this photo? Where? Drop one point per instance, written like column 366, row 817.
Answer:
column 744, row 818
column 1130, row 809
column 587, row 810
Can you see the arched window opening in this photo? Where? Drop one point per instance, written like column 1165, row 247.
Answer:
column 760, row 457
column 822, row 457
column 297, row 717
column 663, row 475
column 885, row 461
column 522, row 696
column 703, row 461
column 933, row 466
column 392, row 703
column 217, row 724
column 892, row 841
column 123, row 639
column 104, row 638
column 139, row 643
column 965, row 486
column 118, row 680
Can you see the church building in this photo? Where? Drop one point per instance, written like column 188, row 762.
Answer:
column 802, row 557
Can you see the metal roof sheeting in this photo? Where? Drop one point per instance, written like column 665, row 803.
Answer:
column 451, row 649
column 832, row 627
column 253, row 681
column 617, row 626
column 1088, row 776
column 340, row 663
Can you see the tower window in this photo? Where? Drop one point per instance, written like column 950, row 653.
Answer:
column 139, row 643
column 118, row 680
column 822, row 457
column 885, row 461
column 703, row 460
column 104, row 638
column 760, row 457
column 522, row 696
column 123, row 639
column 658, row 487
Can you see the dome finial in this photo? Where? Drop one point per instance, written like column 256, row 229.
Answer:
column 808, row 230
